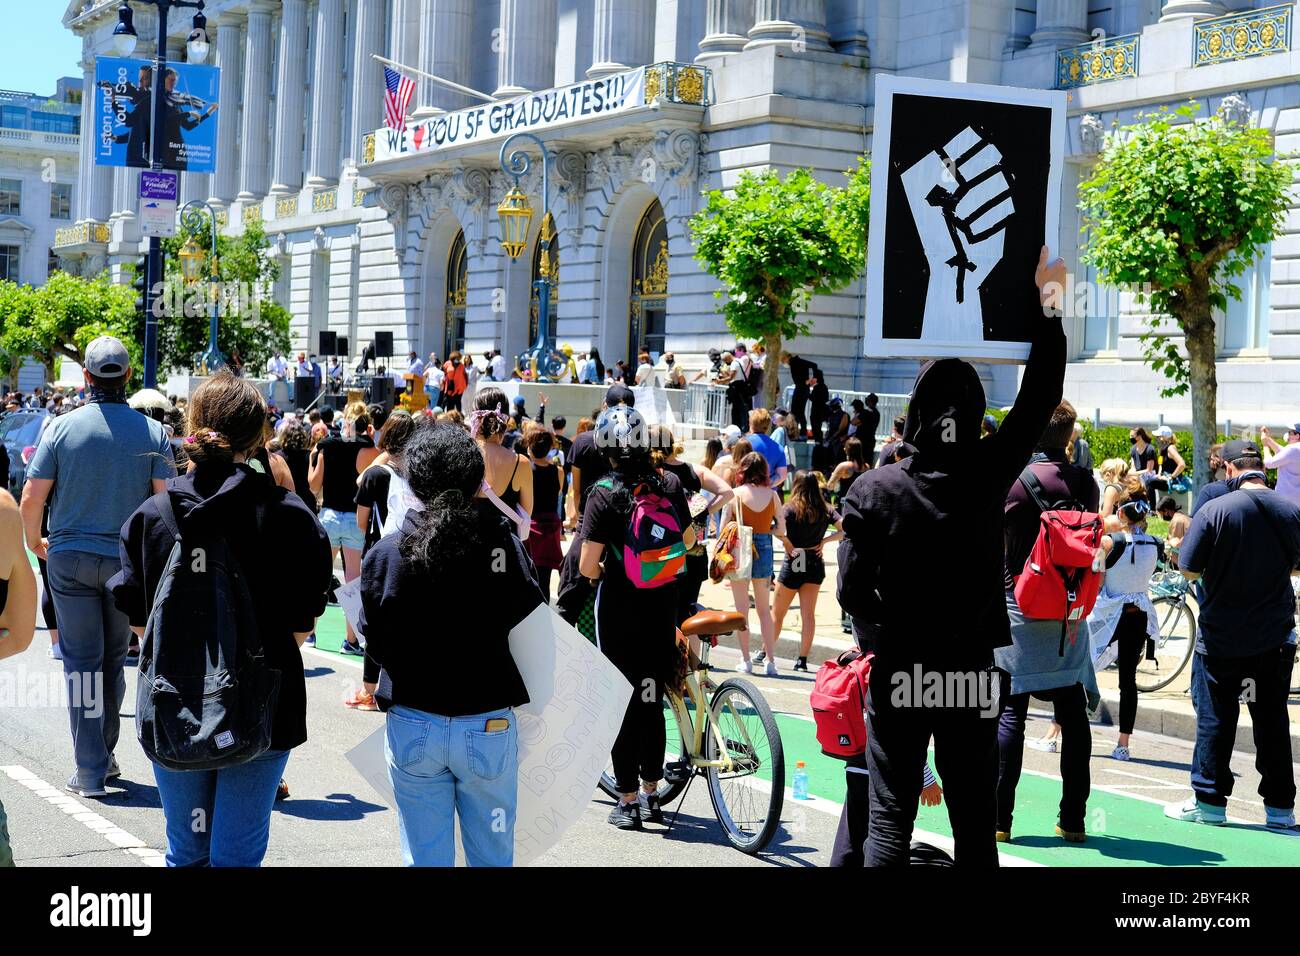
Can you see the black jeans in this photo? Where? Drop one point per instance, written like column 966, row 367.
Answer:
column 638, row 752
column 820, row 396
column 965, row 750
column 855, row 816
column 1131, row 636
column 1217, row 686
column 799, row 409
column 1070, row 707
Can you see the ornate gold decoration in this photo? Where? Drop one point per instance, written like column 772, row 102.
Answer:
column 1238, row 36
column 690, row 85
column 325, row 200
column 368, row 148
column 1110, row 59
column 252, row 213
column 286, row 208
column 654, row 83
column 656, row 283
column 223, row 217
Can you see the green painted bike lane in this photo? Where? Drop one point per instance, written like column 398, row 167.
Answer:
column 1122, row 830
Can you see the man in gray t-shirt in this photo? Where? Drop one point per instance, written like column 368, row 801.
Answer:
column 95, row 465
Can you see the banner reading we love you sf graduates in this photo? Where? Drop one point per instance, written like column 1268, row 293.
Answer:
column 123, row 114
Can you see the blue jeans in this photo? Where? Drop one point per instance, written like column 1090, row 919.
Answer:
column 441, row 767
column 220, row 817
column 93, row 637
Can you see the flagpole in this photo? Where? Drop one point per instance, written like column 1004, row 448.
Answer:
column 434, row 79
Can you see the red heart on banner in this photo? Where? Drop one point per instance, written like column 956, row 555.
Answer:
column 418, row 134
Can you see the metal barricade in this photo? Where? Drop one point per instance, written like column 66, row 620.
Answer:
column 706, row 404
column 890, row 406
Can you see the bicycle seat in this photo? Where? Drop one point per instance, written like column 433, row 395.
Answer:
column 708, row 623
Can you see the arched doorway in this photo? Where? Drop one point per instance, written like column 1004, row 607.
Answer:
column 544, row 263
column 648, row 302
column 457, row 283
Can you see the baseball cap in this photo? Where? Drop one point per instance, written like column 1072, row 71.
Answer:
column 1164, row 431
column 106, row 357
column 619, row 395
column 1239, row 448
column 731, row 434
column 1296, row 427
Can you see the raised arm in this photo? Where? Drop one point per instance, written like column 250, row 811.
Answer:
column 1043, row 381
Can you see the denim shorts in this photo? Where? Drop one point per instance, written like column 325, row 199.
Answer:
column 762, row 558
column 341, row 526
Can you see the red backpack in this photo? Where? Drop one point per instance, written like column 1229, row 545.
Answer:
column 839, row 703
column 1059, row 581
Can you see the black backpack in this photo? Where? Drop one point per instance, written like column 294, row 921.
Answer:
column 205, row 696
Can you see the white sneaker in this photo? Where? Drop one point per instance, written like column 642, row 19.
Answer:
column 771, row 671
column 1193, row 811
column 1048, row 745
column 744, row 667
column 1120, row 753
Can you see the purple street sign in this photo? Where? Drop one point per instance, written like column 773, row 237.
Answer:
column 158, row 185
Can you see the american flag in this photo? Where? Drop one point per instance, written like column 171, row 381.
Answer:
column 397, row 96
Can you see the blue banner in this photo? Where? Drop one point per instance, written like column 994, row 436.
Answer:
column 123, row 103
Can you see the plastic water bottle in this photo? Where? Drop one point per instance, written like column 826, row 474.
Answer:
column 800, row 781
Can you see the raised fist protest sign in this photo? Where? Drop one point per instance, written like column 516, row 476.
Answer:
column 965, row 192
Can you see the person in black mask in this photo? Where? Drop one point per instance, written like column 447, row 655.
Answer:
column 942, row 625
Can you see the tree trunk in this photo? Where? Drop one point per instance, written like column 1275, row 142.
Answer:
column 772, row 370
column 1197, row 320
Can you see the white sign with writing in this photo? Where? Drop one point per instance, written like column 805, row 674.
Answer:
column 544, row 109
column 566, row 731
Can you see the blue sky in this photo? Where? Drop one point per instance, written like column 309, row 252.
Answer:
column 45, row 51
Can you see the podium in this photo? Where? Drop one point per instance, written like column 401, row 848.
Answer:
column 415, row 400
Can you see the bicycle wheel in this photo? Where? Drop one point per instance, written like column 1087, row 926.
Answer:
column 748, row 798
column 1174, row 646
column 667, row 792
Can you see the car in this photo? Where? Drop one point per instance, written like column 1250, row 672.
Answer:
column 19, row 432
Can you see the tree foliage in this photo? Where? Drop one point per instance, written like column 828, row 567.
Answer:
column 57, row 320
column 250, row 320
column 1176, row 209
column 774, row 243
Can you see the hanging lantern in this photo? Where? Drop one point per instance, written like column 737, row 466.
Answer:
column 191, row 257
column 516, row 215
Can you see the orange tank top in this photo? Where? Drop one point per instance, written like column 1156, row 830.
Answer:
column 760, row 521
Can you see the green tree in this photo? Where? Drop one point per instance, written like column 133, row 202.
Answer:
column 1177, row 209
column 250, row 320
column 774, row 243
column 58, row 320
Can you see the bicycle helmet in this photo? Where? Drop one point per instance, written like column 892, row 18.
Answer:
column 622, row 434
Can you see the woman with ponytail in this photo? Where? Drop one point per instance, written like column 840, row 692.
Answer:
column 224, row 496
column 508, row 473
column 452, row 743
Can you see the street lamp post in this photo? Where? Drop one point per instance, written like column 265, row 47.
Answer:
column 192, row 257
column 124, row 41
column 540, row 359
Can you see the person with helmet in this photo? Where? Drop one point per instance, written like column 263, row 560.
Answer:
column 635, row 623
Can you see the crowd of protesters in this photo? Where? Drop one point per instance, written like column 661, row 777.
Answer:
column 407, row 504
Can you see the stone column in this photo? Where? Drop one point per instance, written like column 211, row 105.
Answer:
column 1060, row 23
column 527, row 58
column 445, row 51
column 126, row 192
column 89, row 139
column 290, row 98
column 405, row 34
column 255, row 138
column 1199, row 9
column 623, row 37
column 194, row 186
column 727, row 25
column 327, row 95
column 797, row 24
column 367, row 74
column 225, row 182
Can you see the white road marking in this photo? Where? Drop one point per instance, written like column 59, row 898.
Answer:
column 88, row 818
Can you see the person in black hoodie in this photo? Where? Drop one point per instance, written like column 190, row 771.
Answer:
column 224, row 494
column 921, row 573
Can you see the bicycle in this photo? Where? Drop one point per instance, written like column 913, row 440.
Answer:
column 729, row 737
column 1171, row 595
